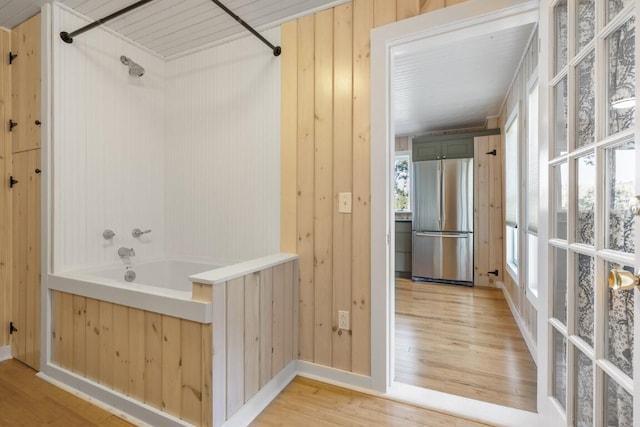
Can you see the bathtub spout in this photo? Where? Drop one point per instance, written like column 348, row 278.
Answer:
column 126, row 252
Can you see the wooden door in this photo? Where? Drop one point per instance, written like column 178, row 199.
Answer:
column 488, row 235
column 25, row 85
column 25, row 207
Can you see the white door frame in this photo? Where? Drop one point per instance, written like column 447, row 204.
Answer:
column 469, row 19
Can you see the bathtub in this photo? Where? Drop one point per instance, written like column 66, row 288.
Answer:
column 160, row 286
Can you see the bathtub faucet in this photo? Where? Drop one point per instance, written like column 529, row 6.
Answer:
column 126, row 252
column 136, row 232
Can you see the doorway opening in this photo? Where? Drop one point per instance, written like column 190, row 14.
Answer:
column 417, row 312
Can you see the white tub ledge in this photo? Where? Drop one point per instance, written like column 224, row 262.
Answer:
column 224, row 274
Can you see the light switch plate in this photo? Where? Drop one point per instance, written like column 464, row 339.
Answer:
column 344, row 203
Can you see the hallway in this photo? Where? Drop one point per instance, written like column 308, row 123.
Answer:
column 462, row 341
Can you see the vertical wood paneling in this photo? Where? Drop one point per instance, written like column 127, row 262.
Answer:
column 385, row 11
column 171, row 365
column 305, row 206
column 287, row 313
column 5, row 167
column 191, row 362
column 342, row 176
column 25, row 41
column 481, row 212
column 136, row 354
column 427, row 6
column 79, row 334
column 277, row 332
column 107, row 356
column 323, row 188
column 407, row 9
column 361, row 291
column 161, row 360
column 19, row 230
column 251, row 335
column 92, row 336
column 235, row 345
column 120, row 348
column 496, row 225
column 33, row 259
column 266, row 314
column 288, row 152
column 153, row 359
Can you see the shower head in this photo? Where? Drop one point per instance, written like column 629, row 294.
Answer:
column 135, row 69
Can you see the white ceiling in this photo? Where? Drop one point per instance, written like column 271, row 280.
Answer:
column 457, row 85
column 170, row 27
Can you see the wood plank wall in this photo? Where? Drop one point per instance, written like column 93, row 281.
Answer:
column 5, row 168
column 488, row 215
column 518, row 96
column 325, row 151
column 260, row 315
column 160, row 360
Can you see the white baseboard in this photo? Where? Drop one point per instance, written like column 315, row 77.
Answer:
column 528, row 339
column 5, row 352
column 334, row 376
column 135, row 412
column 254, row 406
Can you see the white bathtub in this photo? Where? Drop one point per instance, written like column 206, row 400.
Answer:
column 167, row 274
column 159, row 286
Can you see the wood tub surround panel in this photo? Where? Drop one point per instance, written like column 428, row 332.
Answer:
column 159, row 360
column 258, row 311
column 326, row 151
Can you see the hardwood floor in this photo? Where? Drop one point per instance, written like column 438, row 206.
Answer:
column 309, row 403
column 26, row 400
column 462, row 341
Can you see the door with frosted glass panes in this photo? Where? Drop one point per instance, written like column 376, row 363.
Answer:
column 593, row 187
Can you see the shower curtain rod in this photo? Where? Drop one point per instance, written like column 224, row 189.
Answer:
column 68, row 37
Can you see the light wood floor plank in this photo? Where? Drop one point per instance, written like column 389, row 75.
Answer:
column 306, row 403
column 462, row 341
column 26, row 400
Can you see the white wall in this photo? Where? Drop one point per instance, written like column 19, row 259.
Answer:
column 190, row 150
column 108, row 147
column 223, row 152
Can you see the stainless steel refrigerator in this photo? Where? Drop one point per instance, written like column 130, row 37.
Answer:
column 443, row 221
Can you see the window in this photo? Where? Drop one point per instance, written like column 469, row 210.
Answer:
column 532, row 192
column 512, row 198
column 402, row 198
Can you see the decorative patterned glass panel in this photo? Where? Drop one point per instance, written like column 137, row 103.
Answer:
column 561, row 21
column 619, row 346
column 619, row 194
column 586, row 101
column 586, row 199
column 586, row 23
column 618, row 405
column 621, row 74
column 560, row 284
column 584, row 397
column 560, row 118
column 585, row 266
column 615, row 6
column 560, row 200
column 559, row 368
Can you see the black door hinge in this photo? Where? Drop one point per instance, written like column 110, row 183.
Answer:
column 12, row 181
column 492, row 152
column 12, row 328
column 494, row 272
column 12, row 56
column 12, row 124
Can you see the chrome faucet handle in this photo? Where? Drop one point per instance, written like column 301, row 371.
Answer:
column 136, row 232
column 126, row 252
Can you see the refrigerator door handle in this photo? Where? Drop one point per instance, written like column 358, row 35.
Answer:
column 455, row 236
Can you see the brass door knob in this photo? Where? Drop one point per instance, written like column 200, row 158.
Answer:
column 622, row 279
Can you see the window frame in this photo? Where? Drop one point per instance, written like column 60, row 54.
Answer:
column 513, row 269
column 532, row 296
column 405, row 153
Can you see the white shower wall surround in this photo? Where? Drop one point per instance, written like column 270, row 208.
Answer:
column 189, row 150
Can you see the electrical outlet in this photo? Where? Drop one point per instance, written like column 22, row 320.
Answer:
column 343, row 320
column 344, row 202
